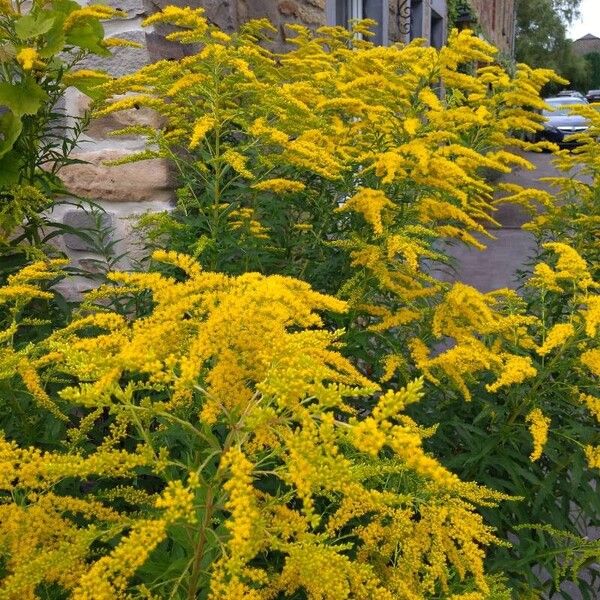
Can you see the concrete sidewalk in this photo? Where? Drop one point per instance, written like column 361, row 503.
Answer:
column 512, row 249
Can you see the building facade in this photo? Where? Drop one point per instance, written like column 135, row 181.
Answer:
column 497, row 20
column 586, row 45
column 397, row 20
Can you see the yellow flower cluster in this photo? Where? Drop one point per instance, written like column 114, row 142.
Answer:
column 345, row 123
column 370, row 204
column 242, row 369
column 27, row 57
column 91, row 12
column 593, row 456
column 539, row 426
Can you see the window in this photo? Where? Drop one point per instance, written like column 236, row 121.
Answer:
column 416, row 19
column 437, row 30
column 341, row 12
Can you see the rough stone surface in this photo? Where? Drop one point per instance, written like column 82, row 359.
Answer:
column 159, row 48
column 219, row 12
column 133, row 8
column 87, row 224
column 283, row 12
column 101, row 128
column 288, row 8
column 132, row 182
column 124, row 60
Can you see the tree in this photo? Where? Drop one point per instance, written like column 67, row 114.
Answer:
column 593, row 61
column 542, row 38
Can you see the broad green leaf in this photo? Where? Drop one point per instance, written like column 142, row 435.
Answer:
column 66, row 7
column 23, row 98
column 10, row 129
column 31, row 26
column 54, row 40
column 88, row 35
column 88, row 85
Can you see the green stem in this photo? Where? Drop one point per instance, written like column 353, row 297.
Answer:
column 200, row 546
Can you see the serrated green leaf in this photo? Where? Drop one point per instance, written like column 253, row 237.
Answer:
column 54, row 40
column 23, row 98
column 30, row 26
column 88, row 35
column 10, row 129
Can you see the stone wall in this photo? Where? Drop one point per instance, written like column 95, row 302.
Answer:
column 497, row 19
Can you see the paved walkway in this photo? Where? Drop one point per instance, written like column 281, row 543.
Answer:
column 512, row 248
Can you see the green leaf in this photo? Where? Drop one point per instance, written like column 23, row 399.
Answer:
column 54, row 40
column 89, row 85
column 10, row 129
column 9, row 169
column 66, row 7
column 31, row 26
column 88, row 35
column 23, row 98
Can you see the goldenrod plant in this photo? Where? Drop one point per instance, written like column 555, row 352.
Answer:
column 349, row 165
column 575, row 217
column 212, row 449
column 515, row 382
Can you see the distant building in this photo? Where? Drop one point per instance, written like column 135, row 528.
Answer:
column 397, row 20
column 586, row 45
column 497, row 19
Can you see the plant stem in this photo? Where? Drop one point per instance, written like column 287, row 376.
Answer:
column 199, row 550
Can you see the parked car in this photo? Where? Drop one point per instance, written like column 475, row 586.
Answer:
column 560, row 122
column 593, row 96
column 569, row 94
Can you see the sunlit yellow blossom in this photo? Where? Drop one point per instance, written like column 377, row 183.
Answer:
column 592, row 403
column 33, row 384
column 516, row 369
column 113, row 42
column 411, row 125
column 592, row 315
column 279, row 186
column 237, row 162
column 591, row 359
column 185, row 83
column 371, row 204
column 557, row 336
column 201, row 128
column 94, row 11
column 27, row 57
column 592, row 454
column 539, row 426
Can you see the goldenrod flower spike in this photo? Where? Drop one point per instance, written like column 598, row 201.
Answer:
column 27, row 57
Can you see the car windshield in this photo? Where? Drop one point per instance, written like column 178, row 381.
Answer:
column 560, row 107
